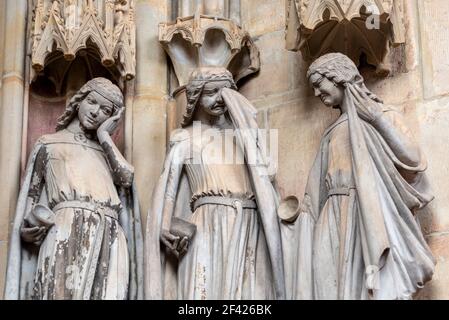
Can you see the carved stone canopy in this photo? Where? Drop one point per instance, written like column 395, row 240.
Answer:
column 74, row 27
column 352, row 27
column 201, row 40
column 60, row 76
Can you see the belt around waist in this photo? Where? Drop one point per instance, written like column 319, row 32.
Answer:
column 225, row 201
column 91, row 206
column 344, row 191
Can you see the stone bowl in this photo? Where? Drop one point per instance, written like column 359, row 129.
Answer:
column 289, row 209
column 41, row 216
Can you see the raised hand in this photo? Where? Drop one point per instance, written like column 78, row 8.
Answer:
column 110, row 124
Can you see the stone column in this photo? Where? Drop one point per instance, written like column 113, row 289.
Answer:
column 14, row 26
column 3, row 243
column 2, row 40
column 148, row 115
column 186, row 7
column 234, row 10
column 433, row 118
column 218, row 8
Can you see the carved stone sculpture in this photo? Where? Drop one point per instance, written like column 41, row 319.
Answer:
column 204, row 41
column 77, row 231
column 356, row 235
column 233, row 250
column 201, row 41
column 73, row 26
column 352, row 27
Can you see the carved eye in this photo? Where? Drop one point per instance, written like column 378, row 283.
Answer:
column 106, row 110
column 211, row 91
column 318, row 83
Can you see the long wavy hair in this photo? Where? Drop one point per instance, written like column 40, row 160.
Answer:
column 103, row 87
column 341, row 70
column 195, row 86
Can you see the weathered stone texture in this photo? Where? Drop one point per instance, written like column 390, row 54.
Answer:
column 4, row 218
column 2, row 38
column 148, row 116
column 434, row 118
column 260, row 17
column 273, row 78
column 433, row 121
column 280, row 90
column 149, row 146
column 434, row 46
column 437, row 288
column 418, row 86
column 3, row 255
column 11, row 109
column 300, row 125
column 433, row 115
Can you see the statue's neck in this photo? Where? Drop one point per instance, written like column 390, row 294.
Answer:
column 75, row 127
column 343, row 108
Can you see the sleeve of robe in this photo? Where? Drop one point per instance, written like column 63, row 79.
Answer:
column 400, row 189
column 130, row 220
column 22, row 257
column 412, row 174
column 160, row 275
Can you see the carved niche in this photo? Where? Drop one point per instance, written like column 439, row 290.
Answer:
column 70, row 42
column 102, row 28
column 200, row 41
column 352, row 27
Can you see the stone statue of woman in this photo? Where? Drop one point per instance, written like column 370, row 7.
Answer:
column 358, row 237
column 77, row 231
column 236, row 251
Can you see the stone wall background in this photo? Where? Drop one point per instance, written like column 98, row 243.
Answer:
column 3, row 220
column 12, row 52
column 419, row 87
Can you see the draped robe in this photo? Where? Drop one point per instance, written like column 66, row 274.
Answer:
column 85, row 254
column 162, row 276
column 357, row 236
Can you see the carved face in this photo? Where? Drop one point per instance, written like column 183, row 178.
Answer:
column 211, row 100
column 329, row 93
column 94, row 110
